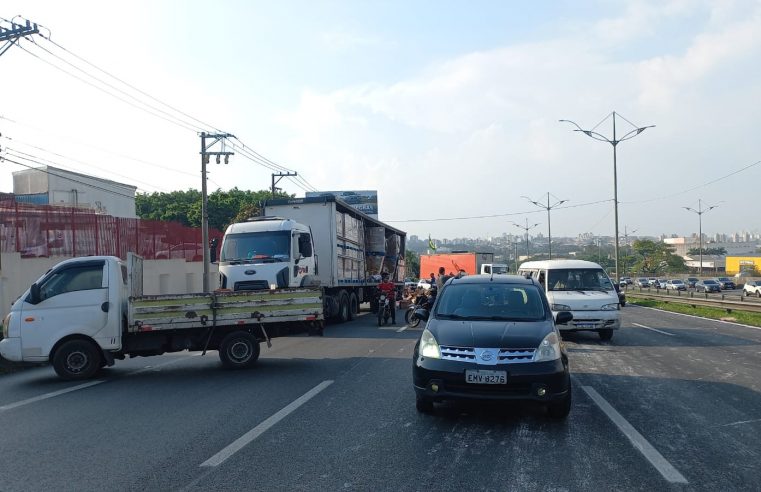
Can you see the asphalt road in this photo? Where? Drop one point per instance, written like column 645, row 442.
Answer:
column 671, row 403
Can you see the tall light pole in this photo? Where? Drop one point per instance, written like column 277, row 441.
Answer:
column 700, row 211
column 547, row 207
column 626, row 243
column 527, row 228
column 614, row 142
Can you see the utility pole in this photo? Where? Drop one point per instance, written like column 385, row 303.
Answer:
column 526, row 228
column 14, row 33
column 700, row 211
column 548, row 207
column 205, row 154
column 280, row 176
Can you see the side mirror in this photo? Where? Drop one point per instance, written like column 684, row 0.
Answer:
column 422, row 314
column 34, row 294
column 563, row 318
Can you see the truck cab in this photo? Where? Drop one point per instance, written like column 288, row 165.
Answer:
column 267, row 253
column 494, row 268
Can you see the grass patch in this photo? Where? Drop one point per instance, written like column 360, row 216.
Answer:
column 746, row 318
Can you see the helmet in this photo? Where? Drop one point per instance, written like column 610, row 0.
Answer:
column 384, row 275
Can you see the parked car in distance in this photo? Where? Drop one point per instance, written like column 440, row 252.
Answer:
column 653, row 281
column 627, row 280
column 424, row 283
column 691, row 281
column 409, row 283
column 676, row 284
column 726, row 283
column 643, row 282
column 707, row 285
column 467, row 351
column 752, row 288
column 660, row 283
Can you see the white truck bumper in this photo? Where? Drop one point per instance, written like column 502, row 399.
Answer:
column 593, row 320
column 10, row 348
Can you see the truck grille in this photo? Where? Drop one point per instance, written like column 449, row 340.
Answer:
column 506, row 356
column 252, row 285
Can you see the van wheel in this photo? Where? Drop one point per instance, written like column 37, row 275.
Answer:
column 606, row 334
column 239, row 350
column 343, row 307
column 353, row 305
column 77, row 359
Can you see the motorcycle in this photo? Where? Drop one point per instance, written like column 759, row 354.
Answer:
column 421, row 302
column 385, row 305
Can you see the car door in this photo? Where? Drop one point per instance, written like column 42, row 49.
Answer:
column 73, row 299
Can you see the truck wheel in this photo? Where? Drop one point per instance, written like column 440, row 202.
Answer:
column 353, row 305
column 605, row 334
column 239, row 350
column 343, row 307
column 77, row 359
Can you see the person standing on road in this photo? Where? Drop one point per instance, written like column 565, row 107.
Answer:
column 442, row 278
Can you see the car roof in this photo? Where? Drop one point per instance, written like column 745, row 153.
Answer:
column 485, row 279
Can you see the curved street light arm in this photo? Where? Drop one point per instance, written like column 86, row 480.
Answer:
column 634, row 133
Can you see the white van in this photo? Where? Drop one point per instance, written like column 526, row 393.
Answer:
column 581, row 287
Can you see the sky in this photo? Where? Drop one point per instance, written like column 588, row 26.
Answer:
column 449, row 109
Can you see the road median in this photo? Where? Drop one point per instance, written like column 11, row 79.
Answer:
column 682, row 307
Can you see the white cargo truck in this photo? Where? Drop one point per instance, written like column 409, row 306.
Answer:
column 319, row 241
column 86, row 312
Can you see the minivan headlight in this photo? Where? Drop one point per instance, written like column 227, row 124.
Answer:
column 561, row 307
column 610, row 307
column 6, row 327
column 429, row 347
column 549, row 349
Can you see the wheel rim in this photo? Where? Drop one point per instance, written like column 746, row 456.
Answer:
column 76, row 361
column 240, row 351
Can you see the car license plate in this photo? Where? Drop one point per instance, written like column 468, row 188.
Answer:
column 585, row 325
column 485, row 377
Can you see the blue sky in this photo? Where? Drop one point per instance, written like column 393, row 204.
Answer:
column 447, row 108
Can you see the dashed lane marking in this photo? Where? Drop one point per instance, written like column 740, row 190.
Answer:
column 654, row 329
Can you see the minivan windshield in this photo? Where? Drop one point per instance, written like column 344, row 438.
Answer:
column 490, row 301
column 259, row 246
column 570, row 279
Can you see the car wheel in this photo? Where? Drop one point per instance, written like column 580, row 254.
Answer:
column 606, row 334
column 77, row 359
column 758, row 293
column 424, row 404
column 560, row 409
column 239, row 350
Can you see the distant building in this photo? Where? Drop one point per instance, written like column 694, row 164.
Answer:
column 682, row 245
column 49, row 185
column 737, row 264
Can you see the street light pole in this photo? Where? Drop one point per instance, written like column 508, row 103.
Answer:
column 628, row 247
column 527, row 228
column 700, row 211
column 548, row 207
column 598, row 136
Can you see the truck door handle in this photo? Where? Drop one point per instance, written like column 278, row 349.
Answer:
column 104, row 307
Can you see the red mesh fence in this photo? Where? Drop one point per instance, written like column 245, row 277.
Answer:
column 44, row 230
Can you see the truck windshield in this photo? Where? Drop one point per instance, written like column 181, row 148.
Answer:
column 260, row 246
column 499, row 270
column 578, row 279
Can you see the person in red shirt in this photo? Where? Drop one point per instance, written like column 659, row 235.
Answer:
column 388, row 288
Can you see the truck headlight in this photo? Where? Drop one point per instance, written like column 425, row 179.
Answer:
column 549, row 349
column 561, row 307
column 610, row 307
column 429, row 347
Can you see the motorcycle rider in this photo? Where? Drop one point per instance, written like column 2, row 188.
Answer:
column 387, row 287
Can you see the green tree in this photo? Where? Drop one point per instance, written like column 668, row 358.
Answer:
column 412, row 264
column 656, row 258
column 225, row 207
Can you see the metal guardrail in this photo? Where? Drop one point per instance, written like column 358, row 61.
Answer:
column 726, row 302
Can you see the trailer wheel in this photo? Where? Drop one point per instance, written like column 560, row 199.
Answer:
column 77, row 359
column 343, row 307
column 353, row 305
column 239, row 350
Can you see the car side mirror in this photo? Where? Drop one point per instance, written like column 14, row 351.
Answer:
column 563, row 318
column 34, row 294
column 422, row 314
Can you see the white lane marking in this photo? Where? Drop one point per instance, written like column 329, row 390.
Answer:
column 401, row 329
column 157, row 366
column 260, row 429
column 653, row 329
column 700, row 317
column 638, row 441
column 49, row 395
column 742, row 422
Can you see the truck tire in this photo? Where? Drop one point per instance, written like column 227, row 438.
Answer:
column 239, row 350
column 343, row 307
column 77, row 359
column 353, row 305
